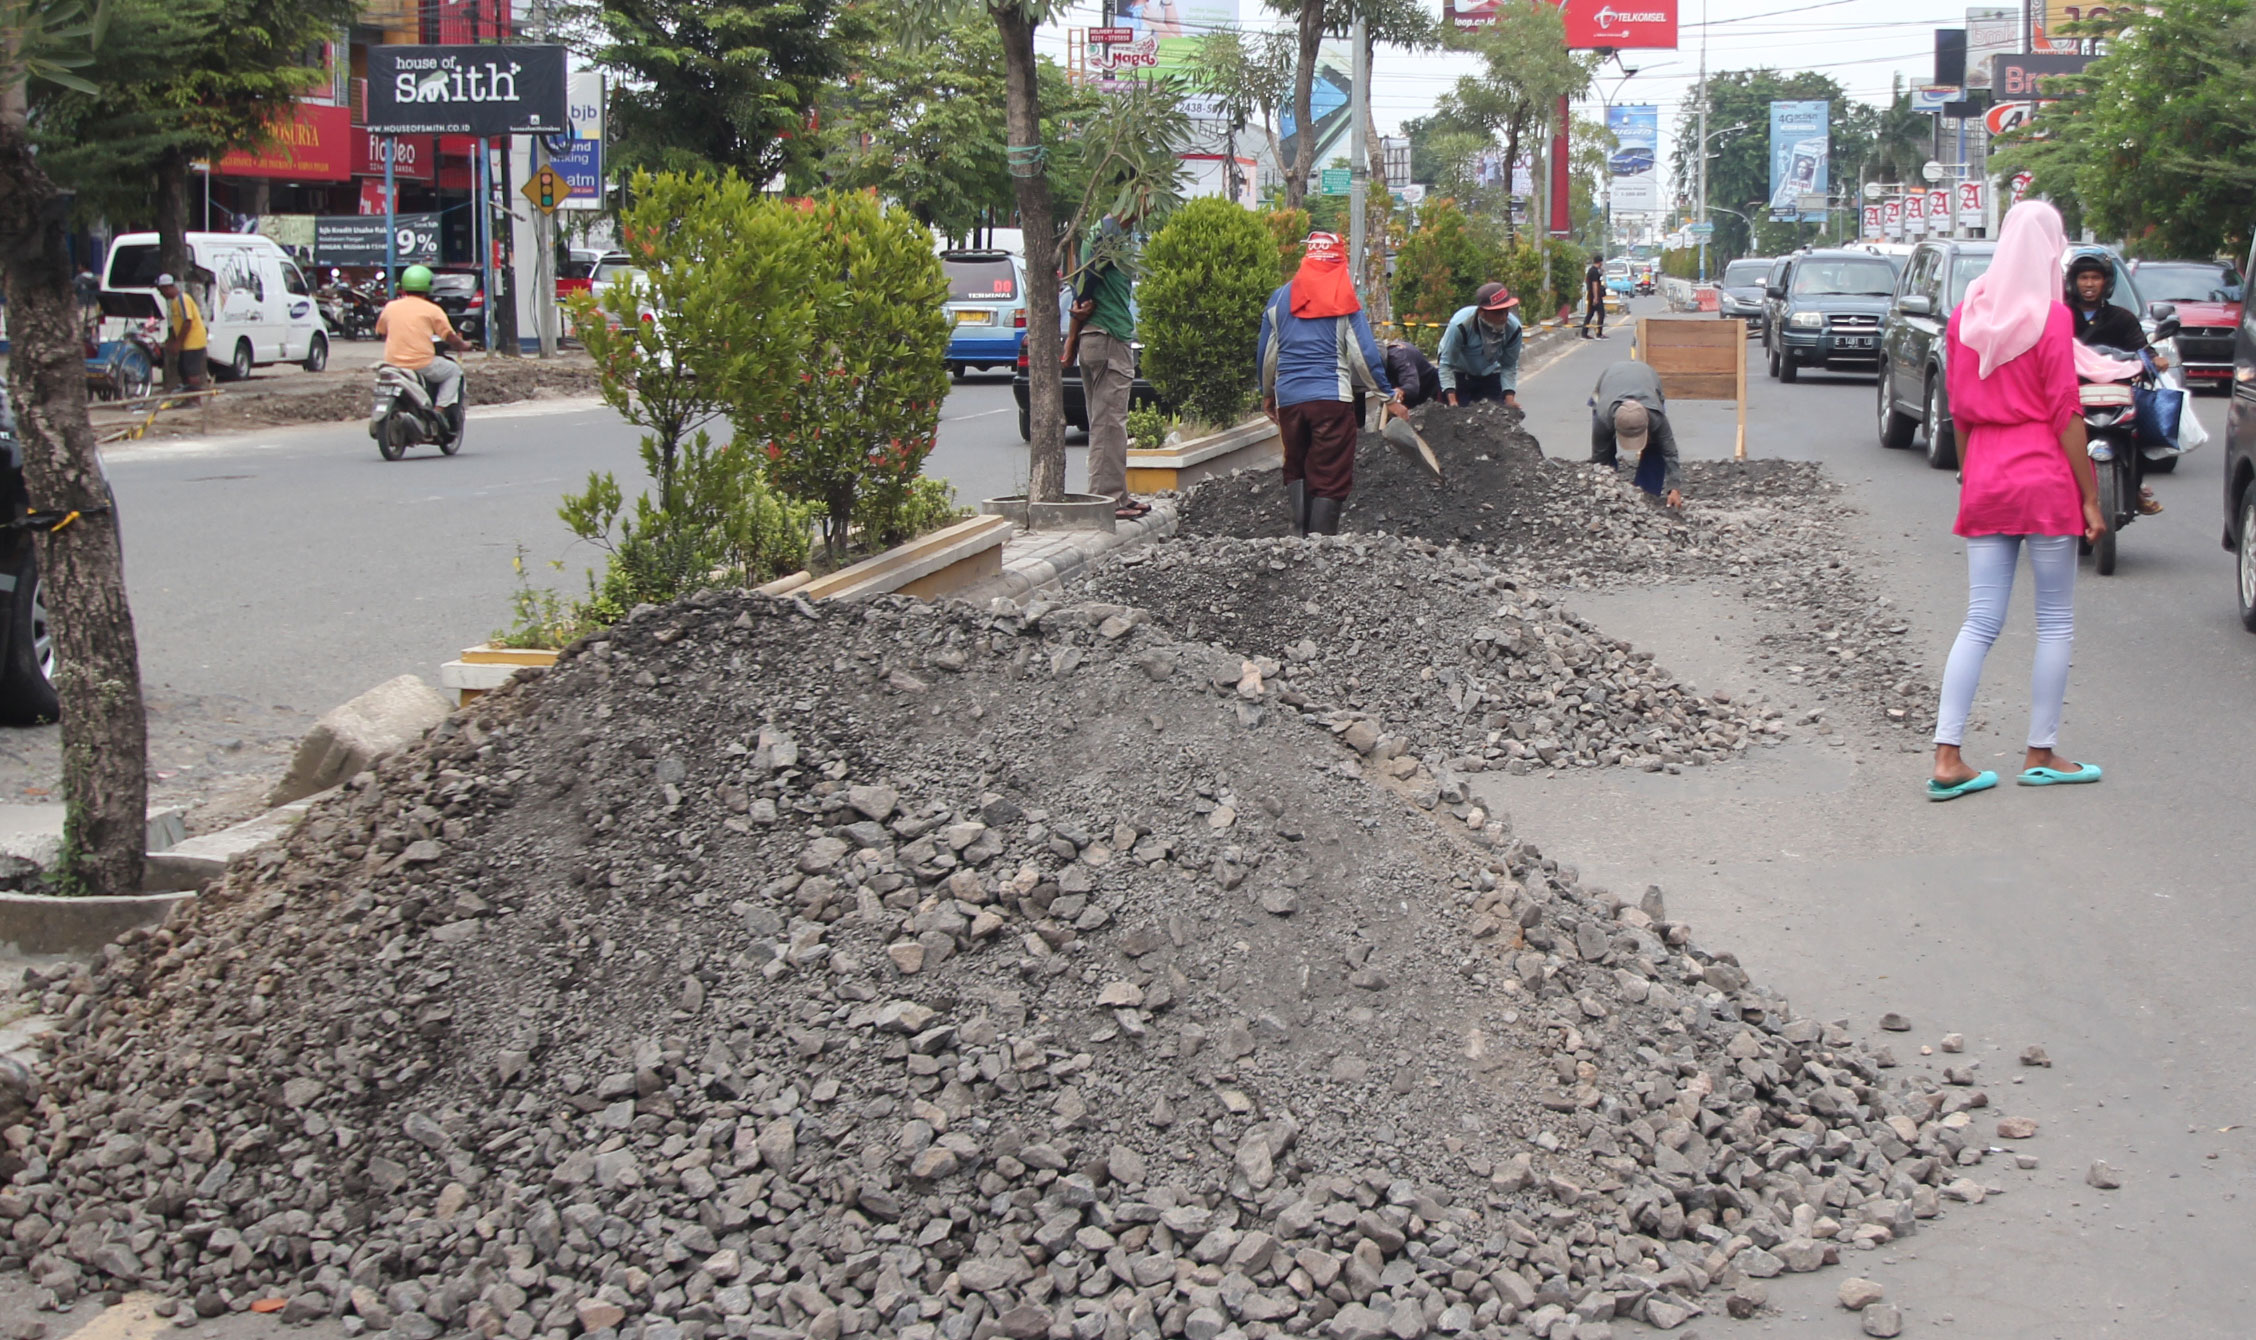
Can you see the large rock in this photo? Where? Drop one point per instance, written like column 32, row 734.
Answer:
column 349, row 738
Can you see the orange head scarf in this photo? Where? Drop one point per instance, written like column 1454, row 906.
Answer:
column 1322, row 287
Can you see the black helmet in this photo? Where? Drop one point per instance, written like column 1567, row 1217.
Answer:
column 2093, row 263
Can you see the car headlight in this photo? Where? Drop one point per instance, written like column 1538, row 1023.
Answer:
column 1807, row 321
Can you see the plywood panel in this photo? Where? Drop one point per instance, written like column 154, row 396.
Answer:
column 1700, row 385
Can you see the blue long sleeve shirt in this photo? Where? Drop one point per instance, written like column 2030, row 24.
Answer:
column 1306, row 358
column 1469, row 349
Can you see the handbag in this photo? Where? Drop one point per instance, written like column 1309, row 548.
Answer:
column 2158, row 409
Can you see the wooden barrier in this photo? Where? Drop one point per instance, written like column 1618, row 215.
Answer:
column 1698, row 359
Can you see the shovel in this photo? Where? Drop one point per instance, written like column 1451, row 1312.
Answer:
column 1408, row 445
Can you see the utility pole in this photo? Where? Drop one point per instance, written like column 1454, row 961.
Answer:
column 1702, row 199
column 544, row 228
column 1358, row 157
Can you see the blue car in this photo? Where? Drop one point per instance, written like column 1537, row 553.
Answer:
column 987, row 307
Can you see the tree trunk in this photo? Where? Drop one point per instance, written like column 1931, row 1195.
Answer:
column 1037, row 222
column 98, row 677
column 1376, row 207
column 1511, row 160
column 1304, row 85
column 172, row 215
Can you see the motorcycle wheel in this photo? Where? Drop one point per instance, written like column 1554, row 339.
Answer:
column 2111, row 507
column 392, row 434
column 462, row 400
column 135, row 376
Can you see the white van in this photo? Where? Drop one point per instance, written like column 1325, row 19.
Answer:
column 257, row 305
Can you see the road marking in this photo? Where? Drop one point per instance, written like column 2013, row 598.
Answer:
column 982, row 414
column 133, row 1319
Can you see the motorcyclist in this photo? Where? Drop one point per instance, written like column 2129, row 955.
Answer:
column 2102, row 324
column 409, row 324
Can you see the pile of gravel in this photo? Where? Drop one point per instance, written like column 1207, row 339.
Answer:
column 1772, row 527
column 1414, row 654
column 770, row 970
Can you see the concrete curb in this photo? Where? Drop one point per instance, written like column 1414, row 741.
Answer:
column 185, row 868
column 31, row 924
column 1038, row 560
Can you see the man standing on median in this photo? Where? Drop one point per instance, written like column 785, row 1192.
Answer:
column 1102, row 339
column 1315, row 352
column 1480, row 352
column 1629, row 417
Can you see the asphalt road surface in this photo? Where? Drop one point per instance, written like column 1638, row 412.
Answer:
column 2111, row 924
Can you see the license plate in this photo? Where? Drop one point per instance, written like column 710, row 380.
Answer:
column 1860, row 341
column 975, row 318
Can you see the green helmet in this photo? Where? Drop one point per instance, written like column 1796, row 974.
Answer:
column 415, row 279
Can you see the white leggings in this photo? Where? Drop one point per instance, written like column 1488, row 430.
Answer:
column 1990, row 561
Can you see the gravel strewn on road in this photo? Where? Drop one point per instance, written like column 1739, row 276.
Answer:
column 770, row 970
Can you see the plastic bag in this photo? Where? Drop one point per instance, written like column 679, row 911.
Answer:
column 2186, row 433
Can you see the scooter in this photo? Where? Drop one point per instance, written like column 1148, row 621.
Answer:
column 404, row 415
column 2112, row 439
column 348, row 312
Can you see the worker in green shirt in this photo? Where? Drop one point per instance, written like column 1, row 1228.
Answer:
column 1101, row 339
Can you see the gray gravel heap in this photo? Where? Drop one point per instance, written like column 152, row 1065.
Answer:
column 769, row 970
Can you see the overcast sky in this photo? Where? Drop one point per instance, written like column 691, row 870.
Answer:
column 1864, row 44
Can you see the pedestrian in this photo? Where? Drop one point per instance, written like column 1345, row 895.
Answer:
column 1628, row 415
column 1315, row 353
column 185, row 337
column 1480, row 351
column 1412, row 373
column 2028, row 485
column 1594, row 296
column 88, row 290
column 1101, row 339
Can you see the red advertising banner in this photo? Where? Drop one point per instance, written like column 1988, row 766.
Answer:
column 412, row 156
column 315, row 144
column 1592, row 25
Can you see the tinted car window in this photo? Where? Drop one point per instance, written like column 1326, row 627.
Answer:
column 134, row 267
column 293, row 282
column 2164, row 282
column 1740, row 274
column 1818, row 277
column 980, row 281
column 1965, row 270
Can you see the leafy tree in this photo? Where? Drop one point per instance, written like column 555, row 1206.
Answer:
column 2157, row 142
column 49, row 43
column 1739, row 171
column 1440, row 265
column 1206, row 275
column 719, row 85
column 1288, row 228
column 1526, row 69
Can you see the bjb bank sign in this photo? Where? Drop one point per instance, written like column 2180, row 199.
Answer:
column 578, row 158
column 490, row 91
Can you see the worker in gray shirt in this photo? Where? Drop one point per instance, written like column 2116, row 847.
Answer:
column 1629, row 417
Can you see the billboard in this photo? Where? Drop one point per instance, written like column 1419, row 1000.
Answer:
column 578, row 156
column 1634, row 178
column 313, row 144
column 1799, row 150
column 2018, row 78
column 1328, row 101
column 467, row 90
column 1592, row 25
column 354, row 239
column 2052, row 31
column 1157, row 36
column 1989, row 33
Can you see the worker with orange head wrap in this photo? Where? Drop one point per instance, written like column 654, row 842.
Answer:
column 1316, row 353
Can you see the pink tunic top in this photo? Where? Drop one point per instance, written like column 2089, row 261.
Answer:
column 2018, row 481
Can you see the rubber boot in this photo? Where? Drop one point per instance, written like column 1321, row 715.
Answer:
column 1296, row 504
column 1324, row 515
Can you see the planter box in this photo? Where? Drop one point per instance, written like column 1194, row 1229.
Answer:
column 1252, row 445
column 927, row 567
column 485, row 668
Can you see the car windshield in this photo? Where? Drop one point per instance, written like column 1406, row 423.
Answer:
column 1965, row 270
column 607, row 271
column 981, row 280
column 1873, row 278
column 2188, row 283
column 1745, row 274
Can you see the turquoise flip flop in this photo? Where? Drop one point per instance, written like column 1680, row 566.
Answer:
column 1980, row 781
column 2087, row 772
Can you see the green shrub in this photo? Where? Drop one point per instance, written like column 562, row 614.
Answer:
column 893, row 511
column 1290, row 228
column 1206, row 275
column 1147, row 428
column 1439, row 266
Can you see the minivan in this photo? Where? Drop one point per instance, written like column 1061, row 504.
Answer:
column 986, row 309
column 257, row 306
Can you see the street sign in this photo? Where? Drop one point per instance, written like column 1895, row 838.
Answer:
column 1973, row 209
column 1934, row 171
column 1812, row 204
column 1702, row 230
column 1338, row 181
column 546, row 189
column 1874, row 190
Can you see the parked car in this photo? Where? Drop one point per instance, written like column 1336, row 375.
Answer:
column 1140, row 394
column 460, row 291
column 1825, row 311
column 2240, row 465
column 1913, row 359
column 257, row 306
column 2207, row 295
column 1740, row 291
column 27, row 645
column 986, row 308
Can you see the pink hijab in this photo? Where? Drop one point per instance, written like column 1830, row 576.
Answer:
column 2005, row 310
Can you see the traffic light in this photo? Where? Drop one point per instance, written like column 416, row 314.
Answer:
column 548, row 189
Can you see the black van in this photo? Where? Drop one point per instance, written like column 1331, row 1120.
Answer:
column 2240, row 461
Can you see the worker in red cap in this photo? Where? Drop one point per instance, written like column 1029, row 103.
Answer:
column 1316, row 352
column 1480, row 352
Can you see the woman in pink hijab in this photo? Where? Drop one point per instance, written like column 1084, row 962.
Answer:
column 2028, row 484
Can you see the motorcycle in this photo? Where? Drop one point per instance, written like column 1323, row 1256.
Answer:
column 348, row 311
column 404, row 414
column 2111, row 432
